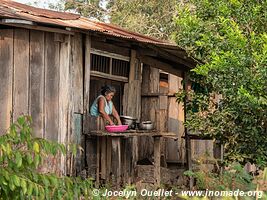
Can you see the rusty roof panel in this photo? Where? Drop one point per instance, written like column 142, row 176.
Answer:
column 38, row 11
column 11, row 9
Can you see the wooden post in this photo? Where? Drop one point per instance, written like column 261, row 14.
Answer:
column 157, row 161
column 103, row 157
column 116, row 161
column 124, row 161
column 97, row 162
column 108, row 163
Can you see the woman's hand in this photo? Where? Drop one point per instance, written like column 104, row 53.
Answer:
column 119, row 123
column 111, row 123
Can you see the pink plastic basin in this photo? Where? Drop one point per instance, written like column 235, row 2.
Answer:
column 118, row 128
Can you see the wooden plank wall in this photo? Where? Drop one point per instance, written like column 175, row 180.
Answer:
column 76, row 102
column 175, row 149
column 150, row 106
column 132, row 107
column 36, row 78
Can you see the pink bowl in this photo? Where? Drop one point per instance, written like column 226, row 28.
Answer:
column 118, row 128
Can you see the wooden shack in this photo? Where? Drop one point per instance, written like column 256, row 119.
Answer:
column 53, row 64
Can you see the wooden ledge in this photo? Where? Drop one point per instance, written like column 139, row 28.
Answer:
column 132, row 133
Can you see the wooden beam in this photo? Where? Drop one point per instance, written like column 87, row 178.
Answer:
column 161, row 65
column 109, row 76
column 40, row 28
column 108, row 54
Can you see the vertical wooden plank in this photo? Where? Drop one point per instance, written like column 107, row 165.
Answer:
column 116, row 161
column 132, row 99
column 6, row 76
column 154, row 80
column 132, row 65
column 36, row 105
column 149, row 105
column 52, row 67
column 145, row 79
column 109, row 151
column 157, row 161
column 91, row 160
column 21, row 73
column 135, row 157
column 97, row 161
column 103, row 157
column 87, row 73
column 86, row 83
column 64, row 95
column 77, row 131
column 77, row 72
column 175, row 149
column 161, row 125
column 124, row 161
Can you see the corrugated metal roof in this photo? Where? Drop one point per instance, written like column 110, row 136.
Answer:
column 11, row 9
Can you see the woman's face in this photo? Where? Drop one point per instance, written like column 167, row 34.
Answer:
column 109, row 96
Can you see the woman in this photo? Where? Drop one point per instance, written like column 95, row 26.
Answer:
column 103, row 106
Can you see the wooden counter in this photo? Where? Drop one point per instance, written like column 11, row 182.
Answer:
column 132, row 133
column 111, row 160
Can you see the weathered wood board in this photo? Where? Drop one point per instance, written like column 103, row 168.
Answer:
column 64, row 109
column 6, row 76
column 51, row 102
column 175, row 149
column 77, row 72
column 21, row 73
column 36, row 93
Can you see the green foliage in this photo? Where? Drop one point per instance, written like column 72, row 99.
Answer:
column 233, row 178
column 91, row 9
column 230, row 37
column 152, row 18
column 21, row 157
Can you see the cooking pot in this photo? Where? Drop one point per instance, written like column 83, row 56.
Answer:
column 146, row 125
column 128, row 120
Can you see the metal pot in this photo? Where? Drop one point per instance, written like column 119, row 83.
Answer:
column 146, row 125
column 128, row 120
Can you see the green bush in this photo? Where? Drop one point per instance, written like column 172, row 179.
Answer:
column 235, row 177
column 21, row 155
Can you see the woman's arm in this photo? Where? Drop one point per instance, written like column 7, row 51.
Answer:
column 116, row 115
column 101, row 109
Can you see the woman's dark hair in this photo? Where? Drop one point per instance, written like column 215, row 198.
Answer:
column 107, row 89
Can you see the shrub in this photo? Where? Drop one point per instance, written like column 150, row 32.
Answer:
column 20, row 157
